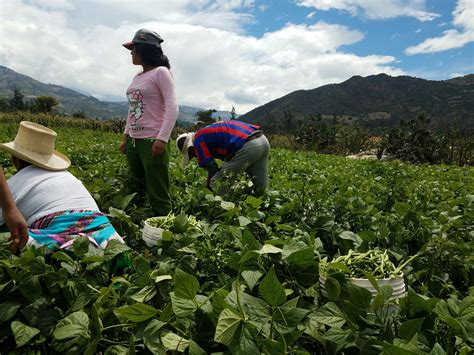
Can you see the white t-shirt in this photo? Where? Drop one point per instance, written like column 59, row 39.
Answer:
column 38, row 192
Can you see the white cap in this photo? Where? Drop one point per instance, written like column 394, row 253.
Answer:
column 184, row 142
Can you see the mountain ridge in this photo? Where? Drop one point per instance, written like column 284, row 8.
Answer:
column 373, row 101
column 72, row 101
column 376, row 100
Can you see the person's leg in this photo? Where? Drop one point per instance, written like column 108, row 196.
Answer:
column 245, row 157
column 156, row 177
column 258, row 170
column 136, row 170
column 239, row 162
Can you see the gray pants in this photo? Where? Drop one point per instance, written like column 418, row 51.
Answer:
column 252, row 158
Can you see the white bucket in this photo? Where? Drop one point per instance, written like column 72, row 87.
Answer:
column 397, row 283
column 150, row 234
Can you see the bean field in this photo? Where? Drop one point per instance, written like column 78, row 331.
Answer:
column 247, row 279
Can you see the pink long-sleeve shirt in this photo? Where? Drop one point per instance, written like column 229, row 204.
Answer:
column 152, row 105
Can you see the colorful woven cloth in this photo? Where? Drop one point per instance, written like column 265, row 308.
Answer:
column 58, row 230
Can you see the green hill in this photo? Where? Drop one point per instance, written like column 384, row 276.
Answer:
column 376, row 100
column 70, row 101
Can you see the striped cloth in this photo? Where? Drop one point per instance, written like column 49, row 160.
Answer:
column 221, row 139
column 59, row 230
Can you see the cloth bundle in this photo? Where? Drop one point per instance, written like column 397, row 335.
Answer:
column 59, row 230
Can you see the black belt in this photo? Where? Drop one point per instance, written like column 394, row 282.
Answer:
column 255, row 135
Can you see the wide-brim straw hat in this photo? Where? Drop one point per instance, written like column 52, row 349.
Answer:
column 34, row 144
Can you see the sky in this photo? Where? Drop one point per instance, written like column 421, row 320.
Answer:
column 241, row 53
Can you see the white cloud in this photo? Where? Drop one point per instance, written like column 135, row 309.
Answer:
column 222, row 14
column 229, row 5
column 55, row 4
column 245, row 71
column 449, row 40
column 454, row 38
column 464, row 14
column 375, row 9
column 215, row 64
column 455, row 75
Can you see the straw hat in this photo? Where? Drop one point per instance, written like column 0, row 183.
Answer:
column 34, row 143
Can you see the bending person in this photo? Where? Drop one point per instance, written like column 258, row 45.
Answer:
column 56, row 205
column 242, row 147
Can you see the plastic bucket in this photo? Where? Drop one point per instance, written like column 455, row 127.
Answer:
column 397, row 283
column 150, row 234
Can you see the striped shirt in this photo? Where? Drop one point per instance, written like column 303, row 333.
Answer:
column 221, row 139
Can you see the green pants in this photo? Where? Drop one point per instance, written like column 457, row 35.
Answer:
column 150, row 174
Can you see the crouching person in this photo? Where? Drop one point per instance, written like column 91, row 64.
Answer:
column 56, row 205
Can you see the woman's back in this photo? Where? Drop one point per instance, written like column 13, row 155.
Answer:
column 39, row 192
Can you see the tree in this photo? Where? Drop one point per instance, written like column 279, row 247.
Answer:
column 350, row 139
column 318, row 133
column 412, row 141
column 44, row 104
column 460, row 146
column 79, row 114
column 288, row 123
column 205, row 118
column 16, row 101
column 4, row 104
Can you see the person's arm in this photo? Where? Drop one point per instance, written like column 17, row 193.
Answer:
column 168, row 91
column 13, row 218
column 123, row 143
column 212, row 168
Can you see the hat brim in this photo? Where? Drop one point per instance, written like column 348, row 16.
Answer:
column 55, row 162
column 128, row 45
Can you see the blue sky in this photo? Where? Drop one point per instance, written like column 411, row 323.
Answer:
column 388, row 36
column 241, row 53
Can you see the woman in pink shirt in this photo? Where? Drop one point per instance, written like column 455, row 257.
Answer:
column 152, row 114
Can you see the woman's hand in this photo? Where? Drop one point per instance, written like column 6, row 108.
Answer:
column 123, row 147
column 17, row 226
column 158, row 148
column 12, row 216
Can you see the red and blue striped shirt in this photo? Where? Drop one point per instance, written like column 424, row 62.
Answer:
column 220, row 139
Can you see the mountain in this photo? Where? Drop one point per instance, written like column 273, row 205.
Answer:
column 188, row 113
column 72, row 101
column 374, row 101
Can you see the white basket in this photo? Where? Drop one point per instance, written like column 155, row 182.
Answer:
column 397, row 283
column 150, row 234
